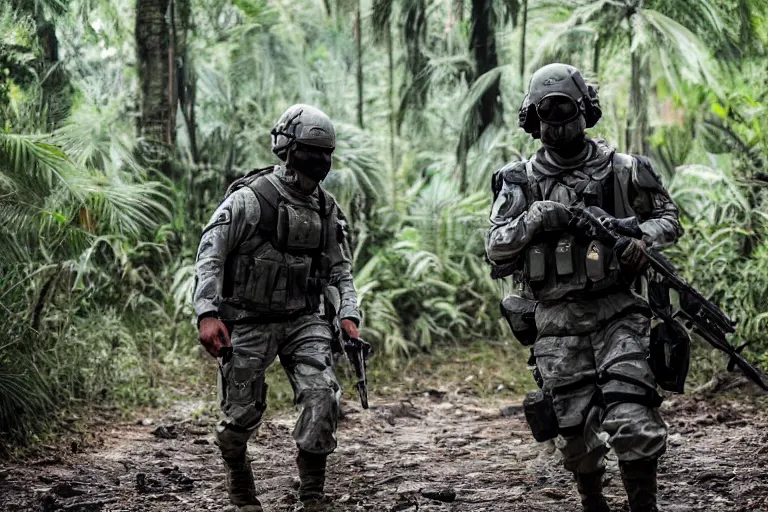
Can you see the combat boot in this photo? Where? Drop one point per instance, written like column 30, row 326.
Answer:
column 240, row 485
column 639, row 477
column 590, row 487
column 312, row 477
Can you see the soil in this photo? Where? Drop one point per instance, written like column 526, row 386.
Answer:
column 434, row 452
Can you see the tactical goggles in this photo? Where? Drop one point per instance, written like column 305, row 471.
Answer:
column 557, row 109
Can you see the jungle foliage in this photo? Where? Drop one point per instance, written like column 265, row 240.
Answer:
column 120, row 132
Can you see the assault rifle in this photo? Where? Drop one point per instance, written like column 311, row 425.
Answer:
column 356, row 349
column 699, row 314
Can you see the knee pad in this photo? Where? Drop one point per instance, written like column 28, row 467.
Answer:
column 629, row 382
column 315, row 430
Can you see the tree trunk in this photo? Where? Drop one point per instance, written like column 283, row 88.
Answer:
column 156, row 68
column 56, row 101
column 523, row 36
column 637, row 124
column 483, row 46
column 414, row 27
column 391, row 95
column 596, row 56
column 482, row 43
column 359, row 45
column 458, row 7
column 186, row 78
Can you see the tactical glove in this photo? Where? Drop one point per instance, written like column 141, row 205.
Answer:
column 549, row 215
column 630, row 252
column 214, row 336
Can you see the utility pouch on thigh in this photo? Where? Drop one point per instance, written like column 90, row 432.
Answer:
column 670, row 355
column 564, row 256
column 519, row 313
column 595, row 261
column 539, row 412
column 536, row 263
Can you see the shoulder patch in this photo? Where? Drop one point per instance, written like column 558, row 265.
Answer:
column 222, row 218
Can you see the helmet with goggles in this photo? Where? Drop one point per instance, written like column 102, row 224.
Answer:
column 304, row 138
column 302, row 125
column 557, row 95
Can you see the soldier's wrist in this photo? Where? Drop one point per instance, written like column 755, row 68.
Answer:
column 355, row 320
column 207, row 314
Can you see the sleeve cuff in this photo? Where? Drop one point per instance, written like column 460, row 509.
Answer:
column 207, row 314
column 351, row 316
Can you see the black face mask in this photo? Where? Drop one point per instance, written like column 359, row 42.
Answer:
column 562, row 125
column 313, row 163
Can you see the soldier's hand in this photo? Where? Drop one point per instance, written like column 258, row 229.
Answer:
column 350, row 328
column 214, row 335
column 631, row 254
column 550, row 215
column 579, row 222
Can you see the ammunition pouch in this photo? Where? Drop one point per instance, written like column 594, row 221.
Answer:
column 298, row 229
column 539, row 411
column 670, row 355
column 568, row 262
column 520, row 315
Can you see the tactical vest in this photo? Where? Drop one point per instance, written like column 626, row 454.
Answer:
column 558, row 263
column 279, row 271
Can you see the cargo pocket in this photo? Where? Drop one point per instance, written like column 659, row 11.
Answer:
column 244, row 392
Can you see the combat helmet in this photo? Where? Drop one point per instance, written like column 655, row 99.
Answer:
column 305, row 125
column 558, row 80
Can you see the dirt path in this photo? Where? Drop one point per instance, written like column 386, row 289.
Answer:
column 403, row 456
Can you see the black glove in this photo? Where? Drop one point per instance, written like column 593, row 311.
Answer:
column 631, row 254
column 550, row 215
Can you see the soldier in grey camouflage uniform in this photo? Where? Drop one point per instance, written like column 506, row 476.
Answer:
column 593, row 332
column 271, row 247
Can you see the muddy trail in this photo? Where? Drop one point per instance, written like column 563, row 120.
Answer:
column 437, row 451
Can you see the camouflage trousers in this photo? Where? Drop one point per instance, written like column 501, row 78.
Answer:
column 304, row 349
column 592, row 357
